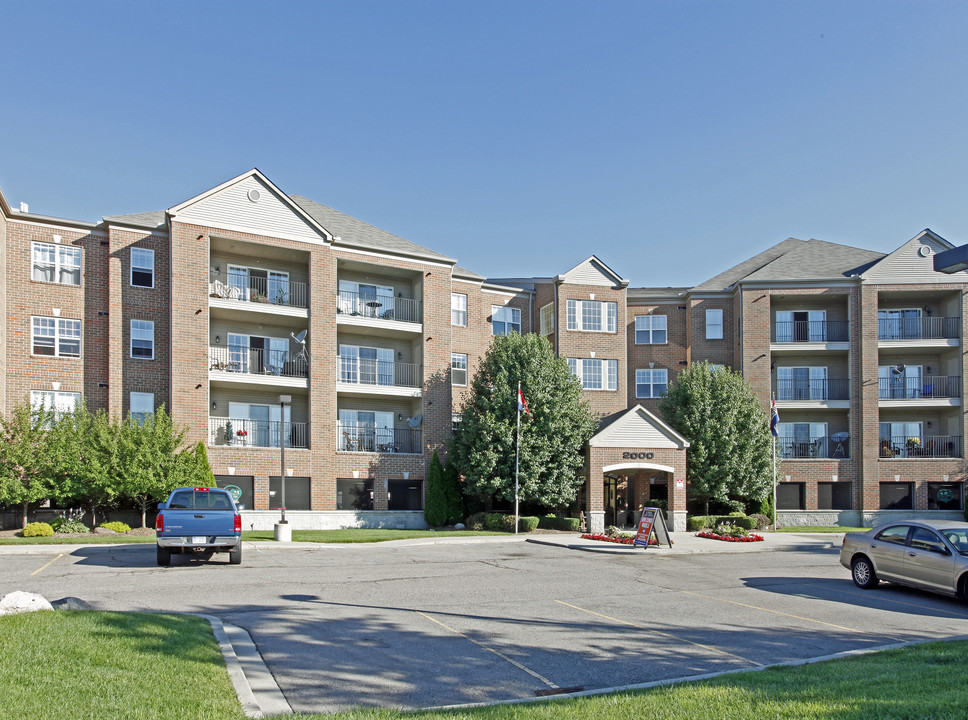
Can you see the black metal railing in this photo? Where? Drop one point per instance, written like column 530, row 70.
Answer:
column 381, row 307
column 247, row 288
column 812, row 389
column 825, row 446
column 927, row 446
column 365, row 371
column 919, row 328
column 257, row 433
column 915, row 388
column 354, row 437
column 810, row 331
column 256, row 361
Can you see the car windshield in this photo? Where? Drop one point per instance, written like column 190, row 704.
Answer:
column 957, row 537
column 200, row 500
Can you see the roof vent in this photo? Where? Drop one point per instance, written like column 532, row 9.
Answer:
column 24, row 208
column 254, row 195
column 924, row 251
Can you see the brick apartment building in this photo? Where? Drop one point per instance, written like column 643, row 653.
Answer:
column 262, row 319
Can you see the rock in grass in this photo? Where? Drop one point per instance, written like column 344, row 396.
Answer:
column 20, row 602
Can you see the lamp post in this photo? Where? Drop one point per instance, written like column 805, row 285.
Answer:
column 283, row 531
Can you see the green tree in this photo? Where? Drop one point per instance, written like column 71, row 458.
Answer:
column 729, row 458
column 435, row 504
column 553, row 434
column 452, row 491
column 26, row 460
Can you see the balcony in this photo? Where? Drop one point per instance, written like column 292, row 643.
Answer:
column 272, row 290
column 815, row 389
column 936, row 387
column 256, row 433
column 919, row 328
column 811, row 331
column 354, row 437
column 833, row 447
column 368, row 376
column 931, row 446
column 378, row 307
column 256, row 361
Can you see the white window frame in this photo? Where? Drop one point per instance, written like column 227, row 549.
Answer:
column 648, row 329
column 600, row 316
column 595, row 373
column 714, row 324
column 652, row 378
column 60, row 258
column 60, row 333
column 547, row 319
column 498, row 315
column 142, row 260
column 791, row 387
column 60, row 401
column 143, row 330
column 458, row 364
column 141, row 406
column 458, row 309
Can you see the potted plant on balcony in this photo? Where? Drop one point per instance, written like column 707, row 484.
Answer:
column 228, row 433
column 914, row 445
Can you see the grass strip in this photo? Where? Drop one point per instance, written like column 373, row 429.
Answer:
column 63, row 665
column 364, row 535
column 821, row 529
column 84, row 540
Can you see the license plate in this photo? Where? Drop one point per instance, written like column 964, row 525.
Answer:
column 199, row 540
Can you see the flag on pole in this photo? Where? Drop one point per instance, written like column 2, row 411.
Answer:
column 774, row 420
column 522, row 403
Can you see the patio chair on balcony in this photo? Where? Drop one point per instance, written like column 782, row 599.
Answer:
column 349, row 443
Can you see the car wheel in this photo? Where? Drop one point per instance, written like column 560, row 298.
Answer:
column 235, row 555
column 164, row 556
column 863, row 573
column 963, row 588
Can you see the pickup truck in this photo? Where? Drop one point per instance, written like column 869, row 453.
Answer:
column 201, row 521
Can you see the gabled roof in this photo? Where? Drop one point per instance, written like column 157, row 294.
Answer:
column 349, row 231
column 592, row 271
column 913, row 262
column 465, row 274
column 636, row 427
column 150, row 220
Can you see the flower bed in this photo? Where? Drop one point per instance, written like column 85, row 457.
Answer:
column 752, row 537
column 620, row 540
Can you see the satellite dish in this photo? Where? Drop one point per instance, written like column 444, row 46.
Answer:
column 898, row 369
column 415, row 420
column 300, row 338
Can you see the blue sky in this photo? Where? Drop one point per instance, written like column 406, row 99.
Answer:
column 671, row 139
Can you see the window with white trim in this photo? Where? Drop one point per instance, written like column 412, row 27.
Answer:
column 592, row 315
column 141, row 406
column 714, row 324
column 651, row 383
column 595, row 373
column 143, row 339
column 651, row 330
column 505, row 320
column 547, row 319
column 61, row 403
column 55, row 263
column 458, row 309
column 55, row 337
column 458, row 368
column 142, row 267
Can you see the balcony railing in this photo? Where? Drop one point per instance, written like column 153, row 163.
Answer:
column 816, row 389
column 256, row 433
column 825, row 446
column 919, row 328
column 917, row 388
column 354, row 437
column 383, row 307
column 810, row 331
column 271, row 290
column 364, row 371
column 256, row 361
column 928, row 446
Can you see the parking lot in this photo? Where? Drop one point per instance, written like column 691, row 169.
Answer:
column 431, row 625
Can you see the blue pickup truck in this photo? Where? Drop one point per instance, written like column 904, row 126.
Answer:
column 201, row 521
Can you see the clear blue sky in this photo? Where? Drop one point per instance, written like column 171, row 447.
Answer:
column 672, row 139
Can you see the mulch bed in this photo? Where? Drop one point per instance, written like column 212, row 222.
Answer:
column 752, row 537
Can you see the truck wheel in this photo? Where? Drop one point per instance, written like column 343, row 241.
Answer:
column 235, row 554
column 164, row 556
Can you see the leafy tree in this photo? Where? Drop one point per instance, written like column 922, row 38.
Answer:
column 91, row 467
column 553, row 434
column 729, row 458
column 435, row 504
column 452, row 491
column 26, row 461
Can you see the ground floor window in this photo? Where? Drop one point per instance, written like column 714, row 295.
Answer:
column 297, row 493
column 833, row 496
column 790, row 496
column 897, row 496
column 405, row 495
column 353, row 494
column 945, row 496
column 245, row 484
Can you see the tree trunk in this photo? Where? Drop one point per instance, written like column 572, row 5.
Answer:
column 23, row 519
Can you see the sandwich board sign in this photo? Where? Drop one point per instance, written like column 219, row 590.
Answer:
column 652, row 520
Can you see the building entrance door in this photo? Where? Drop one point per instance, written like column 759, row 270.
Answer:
column 617, row 502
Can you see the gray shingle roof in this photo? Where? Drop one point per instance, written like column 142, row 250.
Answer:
column 151, row 220
column 462, row 272
column 356, row 233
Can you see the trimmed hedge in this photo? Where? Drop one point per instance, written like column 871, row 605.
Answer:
column 527, row 523
column 704, row 522
column 554, row 522
column 37, row 529
column 117, row 526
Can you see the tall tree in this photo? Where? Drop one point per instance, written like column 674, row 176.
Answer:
column 26, row 461
column 435, row 504
column 452, row 491
column 729, row 459
column 553, row 433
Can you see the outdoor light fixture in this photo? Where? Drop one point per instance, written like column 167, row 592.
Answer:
column 218, row 339
column 214, row 405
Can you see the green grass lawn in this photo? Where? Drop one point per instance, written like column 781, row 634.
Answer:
column 64, row 665
column 85, row 540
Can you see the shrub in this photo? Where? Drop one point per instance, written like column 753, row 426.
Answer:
column 476, row 521
column 70, row 522
column 435, row 500
column 527, row 523
column 495, row 521
column 762, row 521
column 118, row 527
column 507, row 523
column 701, row 522
column 37, row 529
column 554, row 522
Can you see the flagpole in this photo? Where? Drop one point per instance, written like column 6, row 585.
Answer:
column 517, row 460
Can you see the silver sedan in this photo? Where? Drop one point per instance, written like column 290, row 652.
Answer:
column 927, row 554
